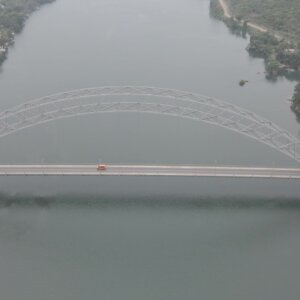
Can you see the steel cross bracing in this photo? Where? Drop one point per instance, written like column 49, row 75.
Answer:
column 149, row 100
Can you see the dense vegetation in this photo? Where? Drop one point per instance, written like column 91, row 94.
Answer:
column 13, row 14
column 281, row 56
column 296, row 99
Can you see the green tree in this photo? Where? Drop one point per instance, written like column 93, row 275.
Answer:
column 296, row 96
column 273, row 67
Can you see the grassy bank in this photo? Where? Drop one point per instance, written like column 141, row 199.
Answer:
column 281, row 16
column 13, row 14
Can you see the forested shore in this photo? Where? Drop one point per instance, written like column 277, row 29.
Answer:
column 274, row 29
column 13, row 14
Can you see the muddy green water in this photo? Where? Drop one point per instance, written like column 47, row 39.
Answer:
column 143, row 238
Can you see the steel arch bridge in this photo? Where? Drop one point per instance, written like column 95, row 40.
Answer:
column 156, row 101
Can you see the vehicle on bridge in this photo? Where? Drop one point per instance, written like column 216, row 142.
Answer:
column 101, row 167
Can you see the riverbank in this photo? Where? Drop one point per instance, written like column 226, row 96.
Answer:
column 227, row 14
column 13, row 15
column 277, row 16
column 278, row 48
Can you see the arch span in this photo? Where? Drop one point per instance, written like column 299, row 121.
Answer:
column 157, row 101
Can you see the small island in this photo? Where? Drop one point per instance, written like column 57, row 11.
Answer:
column 13, row 14
column 242, row 82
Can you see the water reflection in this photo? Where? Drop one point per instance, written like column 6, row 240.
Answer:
column 205, row 202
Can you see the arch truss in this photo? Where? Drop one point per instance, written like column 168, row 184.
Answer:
column 149, row 100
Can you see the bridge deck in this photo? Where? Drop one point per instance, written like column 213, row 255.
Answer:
column 148, row 170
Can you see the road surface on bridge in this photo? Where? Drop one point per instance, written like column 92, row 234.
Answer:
column 149, row 170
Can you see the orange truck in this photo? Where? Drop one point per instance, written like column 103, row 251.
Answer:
column 101, row 167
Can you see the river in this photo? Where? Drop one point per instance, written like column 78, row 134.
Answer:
column 130, row 238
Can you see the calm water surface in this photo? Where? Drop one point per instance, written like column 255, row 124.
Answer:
column 143, row 238
column 149, row 250
column 75, row 44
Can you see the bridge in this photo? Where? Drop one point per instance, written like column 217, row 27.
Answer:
column 147, row 170
column 150, row 100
